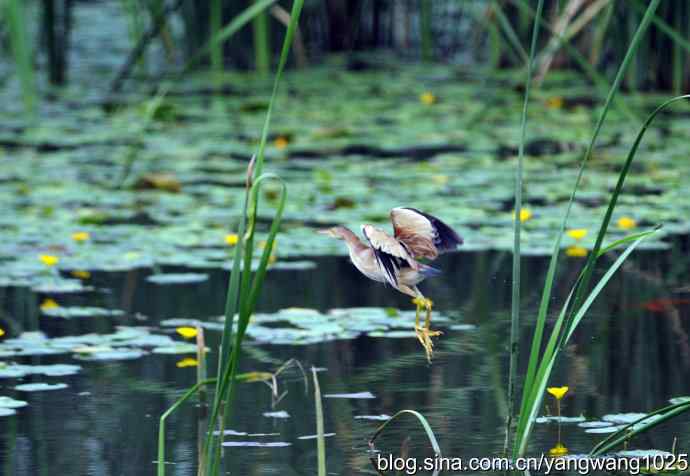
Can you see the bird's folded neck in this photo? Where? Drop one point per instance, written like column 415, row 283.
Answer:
column 352, row 240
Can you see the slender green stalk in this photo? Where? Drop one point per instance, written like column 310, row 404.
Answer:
column 425, row 29
column 242, row 291
column 262, row 53
column 515, row 307
column 538, row 369
column 21, row 50
column 160, row 464
column 320, row 438
column 216, row 20
column 509, row 32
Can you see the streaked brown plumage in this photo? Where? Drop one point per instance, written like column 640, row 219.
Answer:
column 394, row 259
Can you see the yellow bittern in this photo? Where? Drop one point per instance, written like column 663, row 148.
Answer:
column 393, row 259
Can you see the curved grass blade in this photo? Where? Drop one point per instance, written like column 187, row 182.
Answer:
column 161, row 428
column 425, row 424
column 627, row 432
column 555, row 345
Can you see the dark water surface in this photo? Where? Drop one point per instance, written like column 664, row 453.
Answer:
column 630, row 355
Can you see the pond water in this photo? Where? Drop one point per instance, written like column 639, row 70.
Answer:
column 99, row 195
column 631, row 354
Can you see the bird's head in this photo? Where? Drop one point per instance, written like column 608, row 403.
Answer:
column 337, row 232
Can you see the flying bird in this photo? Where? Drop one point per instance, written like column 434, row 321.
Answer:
column 394, row 260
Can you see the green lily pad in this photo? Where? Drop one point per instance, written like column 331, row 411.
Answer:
column 40, row 387
column 177, row 278
column 7, row 402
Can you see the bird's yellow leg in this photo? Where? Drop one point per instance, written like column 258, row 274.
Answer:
column 424, row 334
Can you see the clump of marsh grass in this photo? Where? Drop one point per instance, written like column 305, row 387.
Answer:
column 244, row 289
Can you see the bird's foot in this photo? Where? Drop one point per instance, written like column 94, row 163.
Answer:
column 423, row 303
column 424, row 335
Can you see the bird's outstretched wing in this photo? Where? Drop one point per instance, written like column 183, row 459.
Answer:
column 424, row 236
column 391, row 255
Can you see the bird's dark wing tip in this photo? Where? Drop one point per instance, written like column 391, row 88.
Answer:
column 447, row 239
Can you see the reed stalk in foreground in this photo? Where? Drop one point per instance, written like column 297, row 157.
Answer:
column 541, row 363
column 515, row 298
column 243, row 291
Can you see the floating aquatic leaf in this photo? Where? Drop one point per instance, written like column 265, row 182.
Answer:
column 49, row 370
column 382, row 417
column 7, row 402
column 40, row 387
column 258, row 444
column 595, row 424
column 561, row 419
column 677, row 400
column 7, row 412
column 605, row 429
column 177, row 278
column 623, row 418
column 358, row 395
column 176, row 349
column 76, row 311
column 120, row 354
column 313, row 437
column 278, row 414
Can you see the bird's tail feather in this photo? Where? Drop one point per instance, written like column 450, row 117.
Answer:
column 429, row 271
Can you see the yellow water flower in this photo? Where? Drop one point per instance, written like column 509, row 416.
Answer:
column 187, row 332
column 187, row 362
column 576, row 251
column 81, row 236
column 231, row 239
column 525, row 214
column 281, row 142
column 439, row 179
column 554, row 102
column 626, row 223
column 2, row 332
column 81, row 274
column 558, row 450
column 427, row 97
column 49, row 260
column 577, row 233
column 49, row 304
column 558, row 392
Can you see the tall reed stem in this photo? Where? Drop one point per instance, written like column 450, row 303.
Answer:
column 515, row 307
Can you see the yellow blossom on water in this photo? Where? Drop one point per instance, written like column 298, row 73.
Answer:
column 81, row 274
column 81, row 236
column 187, row 362
column 557, row 392
column 281, row 142
column 2, row 332
column 187, row 332
column 576, row 251
column 231, row 239
column 439, row 179
column 626, row 223
column 577, row 233
column 554, row 102
column 132, row 255
column 49, row 260
column 49, row 304
column 525, row 214
column 427, row 97
column 558, row 450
